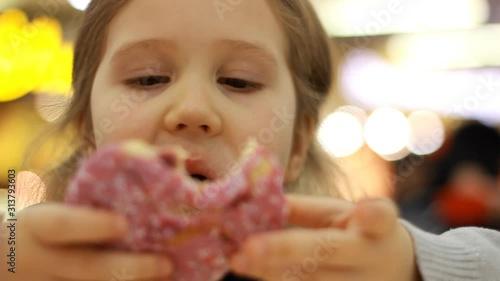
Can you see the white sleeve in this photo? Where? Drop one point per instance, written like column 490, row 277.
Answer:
column 460, row 254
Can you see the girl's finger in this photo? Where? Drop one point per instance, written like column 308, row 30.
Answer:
column 282, row 271
column 375, row 217
column 59, row 224
column 307, row 269
column 92, row 264
column 317, row 212
column 306, row 273
column 310, row 271
column 327, row 247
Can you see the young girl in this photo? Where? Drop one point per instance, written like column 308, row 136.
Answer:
column 207, row 75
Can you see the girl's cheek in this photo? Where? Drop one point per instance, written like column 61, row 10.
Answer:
column 276, row 133
column 118, row 119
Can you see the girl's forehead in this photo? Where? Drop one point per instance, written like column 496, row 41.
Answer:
column 248, row 25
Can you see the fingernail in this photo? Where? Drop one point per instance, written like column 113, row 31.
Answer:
column 240, row 263
column 165, row 267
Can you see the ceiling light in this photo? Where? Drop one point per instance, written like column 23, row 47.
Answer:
column 362, row 18
column 79, row 4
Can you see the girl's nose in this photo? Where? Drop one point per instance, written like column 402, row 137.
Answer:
column 193, row 115
column 192, row 120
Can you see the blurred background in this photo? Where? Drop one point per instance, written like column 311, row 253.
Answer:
column 414, row 115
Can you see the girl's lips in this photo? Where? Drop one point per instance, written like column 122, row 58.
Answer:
column 191, row 160
column 198, row 167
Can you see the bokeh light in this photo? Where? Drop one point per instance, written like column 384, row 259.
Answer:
column 369, row 81
column 51, row 107
column 387, row 131
column 341, row 133
column 375, row 17
column 446, row 50
column 427, row 132
column 32, row 56
column 79, row 4
column 397, row 156
column 29, row 189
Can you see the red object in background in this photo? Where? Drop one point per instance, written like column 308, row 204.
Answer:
column 457, row 208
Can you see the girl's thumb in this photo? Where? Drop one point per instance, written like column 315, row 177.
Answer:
column 375, row 217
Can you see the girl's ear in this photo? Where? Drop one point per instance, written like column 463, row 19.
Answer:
column 302, row 140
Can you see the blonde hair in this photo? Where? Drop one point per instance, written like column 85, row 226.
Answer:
column 309, row 61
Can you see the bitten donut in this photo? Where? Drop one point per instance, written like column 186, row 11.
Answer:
column 199, row 224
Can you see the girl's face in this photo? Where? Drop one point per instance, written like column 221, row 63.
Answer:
column 198, row 74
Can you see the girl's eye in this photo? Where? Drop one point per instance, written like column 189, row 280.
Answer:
column 239, row 84
column 148, row 81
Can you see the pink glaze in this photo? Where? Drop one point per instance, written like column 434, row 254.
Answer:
column 198, row 224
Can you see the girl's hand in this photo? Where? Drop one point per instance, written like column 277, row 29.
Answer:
column 337, row 240
column 57, row 242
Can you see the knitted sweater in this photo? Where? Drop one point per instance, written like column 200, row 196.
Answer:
column 461, row 254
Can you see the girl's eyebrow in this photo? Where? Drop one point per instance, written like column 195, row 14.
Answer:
column 254, row 50
column 129, row 49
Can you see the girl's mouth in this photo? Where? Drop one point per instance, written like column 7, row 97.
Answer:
column 198, row 177
column 196, row 168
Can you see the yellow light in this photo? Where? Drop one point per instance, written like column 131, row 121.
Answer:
column 32, row 56
column 46, row 34
column 22, row 76
column 57, row 78
column 14, row 18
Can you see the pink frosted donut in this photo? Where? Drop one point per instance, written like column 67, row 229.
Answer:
column 198, row 224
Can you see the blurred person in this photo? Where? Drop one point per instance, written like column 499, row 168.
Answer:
column 413, row 179
column 468, row 192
